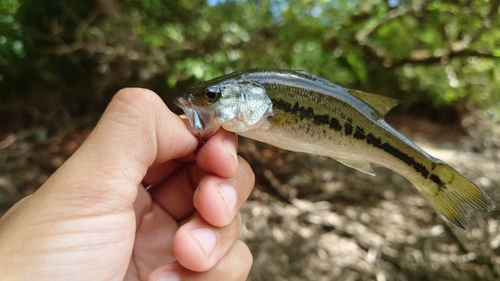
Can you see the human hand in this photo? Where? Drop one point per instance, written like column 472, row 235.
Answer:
column 94, row 220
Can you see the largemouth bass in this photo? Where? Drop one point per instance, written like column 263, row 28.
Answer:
column 301, row 112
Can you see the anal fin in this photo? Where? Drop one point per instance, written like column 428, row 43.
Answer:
column 361, row 166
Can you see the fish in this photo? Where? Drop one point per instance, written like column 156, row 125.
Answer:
column 299, row 111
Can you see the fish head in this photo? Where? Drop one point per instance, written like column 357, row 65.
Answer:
column 236, row 106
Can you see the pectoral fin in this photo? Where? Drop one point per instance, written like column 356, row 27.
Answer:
column 361, row 166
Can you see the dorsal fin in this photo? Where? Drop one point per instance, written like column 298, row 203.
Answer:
column 380, row 104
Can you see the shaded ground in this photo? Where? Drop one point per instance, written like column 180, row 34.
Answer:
column 310, row 218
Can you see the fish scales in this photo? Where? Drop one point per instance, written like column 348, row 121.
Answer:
column 340, row 129
column 301, row 112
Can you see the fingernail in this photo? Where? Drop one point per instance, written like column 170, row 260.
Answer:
column 168, row 276
column 230, row 146
column 229, row 196
column 206, row 238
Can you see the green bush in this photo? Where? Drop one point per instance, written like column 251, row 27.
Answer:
column 79, row 53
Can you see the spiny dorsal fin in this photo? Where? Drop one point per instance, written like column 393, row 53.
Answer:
column 380, row 104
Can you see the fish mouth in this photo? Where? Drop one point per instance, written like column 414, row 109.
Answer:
column 197, row 124
column 200, row 118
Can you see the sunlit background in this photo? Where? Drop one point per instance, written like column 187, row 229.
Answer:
column 309, row 218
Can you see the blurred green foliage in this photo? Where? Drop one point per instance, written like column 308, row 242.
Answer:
column 442, row 53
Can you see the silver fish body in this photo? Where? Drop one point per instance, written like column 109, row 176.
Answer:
column 301, row 112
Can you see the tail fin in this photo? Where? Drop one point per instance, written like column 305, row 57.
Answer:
column 453, row 195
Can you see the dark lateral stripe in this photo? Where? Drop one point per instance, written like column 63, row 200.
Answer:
column 357, row 133
column 348, row 129
column 283, row 105
column 438, row 181
column 335, row 124
column 320, row 119
column 410, row 161
column 306, row 113
column 371, row 139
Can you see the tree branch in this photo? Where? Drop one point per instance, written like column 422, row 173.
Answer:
column 486, row 24
column 363, row 35
column 460, row 48
column 436, row 58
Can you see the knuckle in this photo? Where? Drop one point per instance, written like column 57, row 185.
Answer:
column 240, row 257
column 237, row 224
column 245, row 172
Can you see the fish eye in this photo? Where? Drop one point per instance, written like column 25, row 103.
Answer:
column 211, row 94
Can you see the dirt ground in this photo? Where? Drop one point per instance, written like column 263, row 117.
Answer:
column 311, row 218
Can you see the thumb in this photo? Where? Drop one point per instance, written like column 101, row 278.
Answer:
column 136, row 130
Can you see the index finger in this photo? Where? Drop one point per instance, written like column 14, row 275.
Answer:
column 218, row 155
